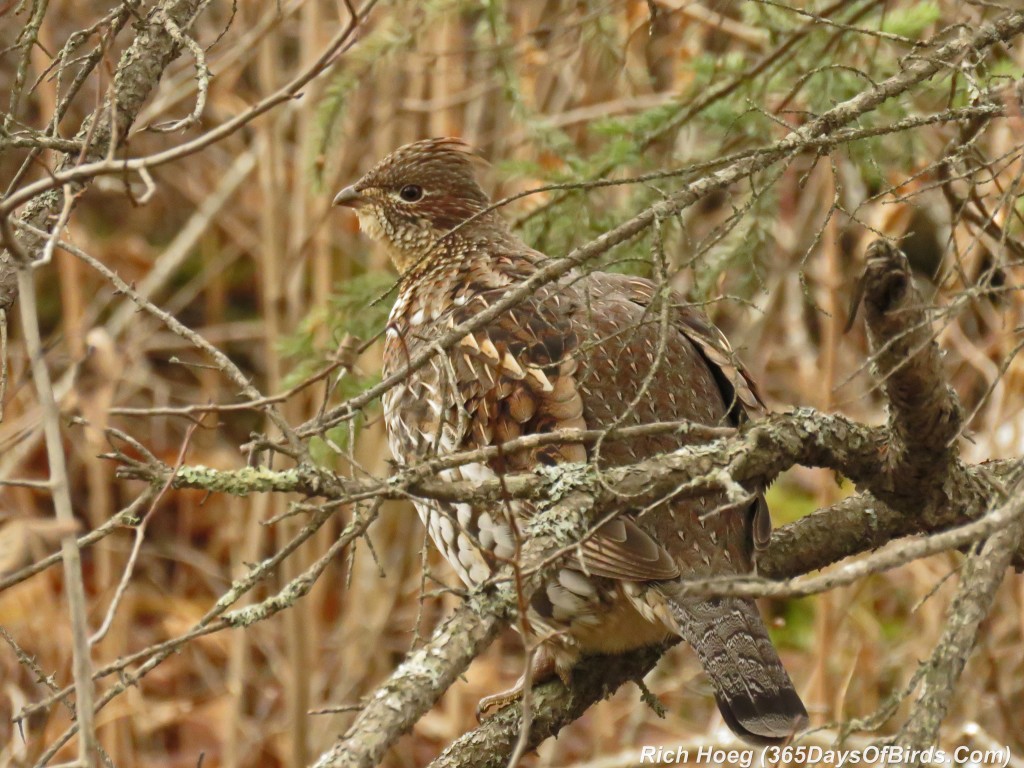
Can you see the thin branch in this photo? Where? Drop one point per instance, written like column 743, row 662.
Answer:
column 60, row 492
column 982, row 575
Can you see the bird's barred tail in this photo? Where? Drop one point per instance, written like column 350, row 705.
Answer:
column 754, row 693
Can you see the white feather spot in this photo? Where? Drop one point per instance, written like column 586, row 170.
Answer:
column 565, row 605
column 467, row 552
column 446, row 530
column 576, row 582
column 479, row 572
column 505, row 545
column 486, row 535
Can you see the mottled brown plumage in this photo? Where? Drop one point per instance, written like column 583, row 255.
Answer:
column 574, row 355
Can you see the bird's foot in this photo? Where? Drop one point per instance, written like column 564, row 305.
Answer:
column 542, row 668
column 489, row 705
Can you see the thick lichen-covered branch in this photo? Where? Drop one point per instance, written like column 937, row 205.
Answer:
column 553, row 706
column 752, row 456
column 420, row 680
column 883, row 509
column 924, row 414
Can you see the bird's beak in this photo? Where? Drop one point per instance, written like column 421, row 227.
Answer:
column 350, row 198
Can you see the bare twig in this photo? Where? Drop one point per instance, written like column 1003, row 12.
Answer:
column 60, row 491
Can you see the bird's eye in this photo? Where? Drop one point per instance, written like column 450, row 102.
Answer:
column 411, row 193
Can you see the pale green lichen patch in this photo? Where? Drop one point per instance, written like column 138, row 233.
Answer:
column 238, row 482
column 563, row 523
column 563, row 479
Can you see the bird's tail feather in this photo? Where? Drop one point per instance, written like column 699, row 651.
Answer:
column 754, row 692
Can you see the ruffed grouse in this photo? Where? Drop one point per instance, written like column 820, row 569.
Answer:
column 575, row 354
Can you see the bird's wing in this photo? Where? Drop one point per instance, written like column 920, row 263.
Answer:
column 738, row 390
column 517, row 376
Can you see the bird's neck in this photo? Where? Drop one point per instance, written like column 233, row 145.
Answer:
column 458, row 268
column 416, row 250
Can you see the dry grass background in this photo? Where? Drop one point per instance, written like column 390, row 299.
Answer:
column 240, row 243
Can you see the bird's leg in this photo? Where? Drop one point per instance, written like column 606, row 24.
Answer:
column 541, row 668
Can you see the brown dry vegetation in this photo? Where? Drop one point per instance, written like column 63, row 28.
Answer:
column 239, row 242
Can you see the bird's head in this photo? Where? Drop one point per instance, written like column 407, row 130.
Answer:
column 415, row 195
